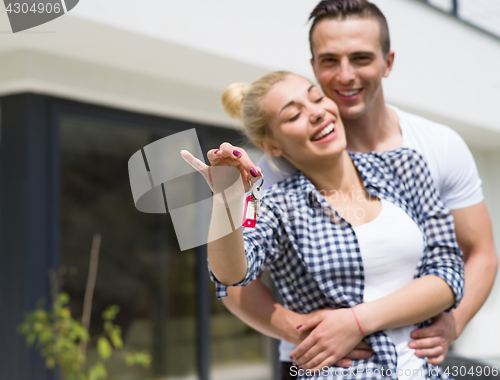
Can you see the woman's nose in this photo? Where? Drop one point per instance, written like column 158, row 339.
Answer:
column 317, row 114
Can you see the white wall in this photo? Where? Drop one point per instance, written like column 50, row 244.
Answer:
column 442, row 66
column 443, row 69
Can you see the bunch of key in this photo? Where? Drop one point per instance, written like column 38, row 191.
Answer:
column 252, row 205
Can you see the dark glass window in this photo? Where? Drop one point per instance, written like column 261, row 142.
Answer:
column 141, row 268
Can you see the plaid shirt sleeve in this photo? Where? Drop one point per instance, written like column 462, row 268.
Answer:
column 262, row 245
column 442, row 257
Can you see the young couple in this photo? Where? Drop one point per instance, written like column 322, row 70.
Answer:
column 358, row 287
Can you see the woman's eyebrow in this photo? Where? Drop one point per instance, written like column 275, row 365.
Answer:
column 287, row 105
column 291, row 103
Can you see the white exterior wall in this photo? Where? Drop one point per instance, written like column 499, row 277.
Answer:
column 174, row 58
column 443, row 69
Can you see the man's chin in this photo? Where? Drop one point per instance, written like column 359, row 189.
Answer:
column 352, row 112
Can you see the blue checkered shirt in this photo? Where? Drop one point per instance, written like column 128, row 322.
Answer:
column 313, row 255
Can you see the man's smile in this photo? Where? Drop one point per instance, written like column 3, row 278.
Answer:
column 349, row 94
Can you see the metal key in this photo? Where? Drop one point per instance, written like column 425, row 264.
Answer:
column 257, row 194
column 252, row 204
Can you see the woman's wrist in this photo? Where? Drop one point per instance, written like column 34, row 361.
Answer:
column 357, row 321
column 367, row 318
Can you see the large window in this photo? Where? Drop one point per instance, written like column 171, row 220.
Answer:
column 141, row 268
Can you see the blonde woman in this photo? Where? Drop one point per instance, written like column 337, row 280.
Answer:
column 383, row 254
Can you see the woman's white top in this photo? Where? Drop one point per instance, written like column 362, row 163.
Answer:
column 391, row 246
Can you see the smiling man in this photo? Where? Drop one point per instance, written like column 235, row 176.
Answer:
column 351, row 54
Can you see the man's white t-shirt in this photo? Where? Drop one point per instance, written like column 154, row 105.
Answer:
column 450, row 163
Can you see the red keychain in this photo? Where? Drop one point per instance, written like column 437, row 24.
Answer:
column 250, row 216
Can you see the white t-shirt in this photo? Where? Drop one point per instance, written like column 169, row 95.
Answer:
column 449, row 159
column 450, row 163
column 391, row 246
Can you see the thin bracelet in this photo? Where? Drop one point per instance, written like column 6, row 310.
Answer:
column 359, row 325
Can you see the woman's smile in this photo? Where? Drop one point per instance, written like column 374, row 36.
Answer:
column 306, row 125
column 325, row 133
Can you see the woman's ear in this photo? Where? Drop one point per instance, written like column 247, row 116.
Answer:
column 275, row 152
column 271, row 148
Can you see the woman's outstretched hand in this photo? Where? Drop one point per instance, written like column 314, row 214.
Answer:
column 226, row 155
column 335, row 333
column 225, row 248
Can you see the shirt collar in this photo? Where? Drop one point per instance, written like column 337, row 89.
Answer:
column 309, row 192
column 364, row 162
column 370, row 169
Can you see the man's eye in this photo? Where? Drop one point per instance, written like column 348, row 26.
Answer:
column 328, row 61
column 319, row 100
column 295, row 117
column 362, row 59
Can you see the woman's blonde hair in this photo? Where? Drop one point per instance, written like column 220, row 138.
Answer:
column 244, row 102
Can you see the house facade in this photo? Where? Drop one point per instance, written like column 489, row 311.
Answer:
column 81, row 94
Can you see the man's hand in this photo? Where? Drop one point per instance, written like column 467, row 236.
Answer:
column 434, row 341
column 335, row 339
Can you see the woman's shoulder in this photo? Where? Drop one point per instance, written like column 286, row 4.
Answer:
column 286, row 189
column 400, row 153
column 399, row 160
column 290, row 183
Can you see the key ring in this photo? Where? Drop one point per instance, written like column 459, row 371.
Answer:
column 252, row 203
column 261, row 177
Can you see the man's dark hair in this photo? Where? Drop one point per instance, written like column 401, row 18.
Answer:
column 343, row 9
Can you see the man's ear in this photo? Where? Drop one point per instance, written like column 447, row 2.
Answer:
column 314, row 69
column 271, row 148
column 389, row 61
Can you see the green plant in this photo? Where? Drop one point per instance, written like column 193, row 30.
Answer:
column 58, row 336
column 62, row 340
